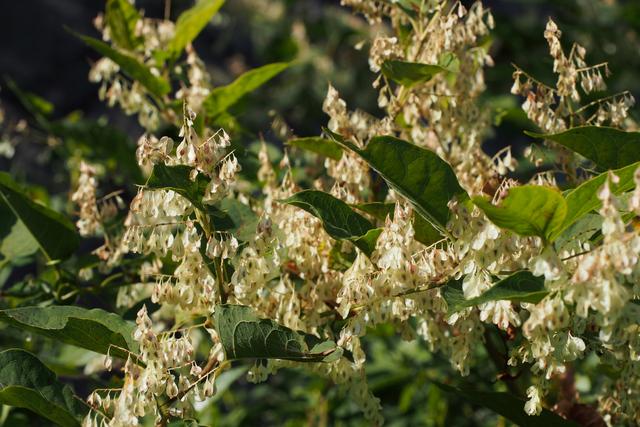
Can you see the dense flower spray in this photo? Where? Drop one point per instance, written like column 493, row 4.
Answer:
column 286, row 270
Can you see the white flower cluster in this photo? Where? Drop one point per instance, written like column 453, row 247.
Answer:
column 287, row 271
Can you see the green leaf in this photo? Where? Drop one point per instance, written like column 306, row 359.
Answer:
column 378, row 210
column 338, row 219
column 95, row 330
column 584, row 198
column 423, row 178
column 529, row 210
column 316, row 144
column 191, row 22
column 130, row 65
column 177, row 178
column 54, row 234
column 607, row 147
column 521, row 286
column 244, row 336
column 410, row 73
column 244, row 220
column 509, row 406
column 424, row 231
column 122, row 17
column 224, row 97
column 25, row 382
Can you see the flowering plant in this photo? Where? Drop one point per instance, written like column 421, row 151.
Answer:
column 403, row 221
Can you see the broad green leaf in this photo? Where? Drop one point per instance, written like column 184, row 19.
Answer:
column 17, row 242
column 224, row 97
column 245, row 336
column 607, row 147
column 581, row 230
column 130, row 65
column 54, row 234
column 25, row 382
column 191, row 22
column 529, row 210
column 410, row 73
column 96, row 330
column 338, row 219
column 177, row 178
column 521, row 286
column 122, row 17
column 316, row 144
column 244, row 220
column 424, row 231
column 584, row 198
column 378, row 210
column 509, row 406
column 427, row 181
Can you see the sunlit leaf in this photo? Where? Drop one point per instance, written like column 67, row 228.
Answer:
column 224, row 97
column 191, row 22
column 529, row 210
column 584, row 198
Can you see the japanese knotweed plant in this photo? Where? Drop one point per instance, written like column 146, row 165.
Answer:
column 410, row 224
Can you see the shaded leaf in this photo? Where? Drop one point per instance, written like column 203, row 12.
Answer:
column 410, row 73
column 424, row 231
column 316, row 144
column 427, row 181
column 54, row 234
column 521, row 286
column 224, row 97
column 529, row 210
column 378, row 210
column 338, row 219
column 25, row 382
column 177, row 178
column 584, row 198
column 95, row 330
column 244, row 220
column 130, row 65
column 191, row 22
column 244, row 336
column 509, row 406
column 121, row 17
column 607, row 147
